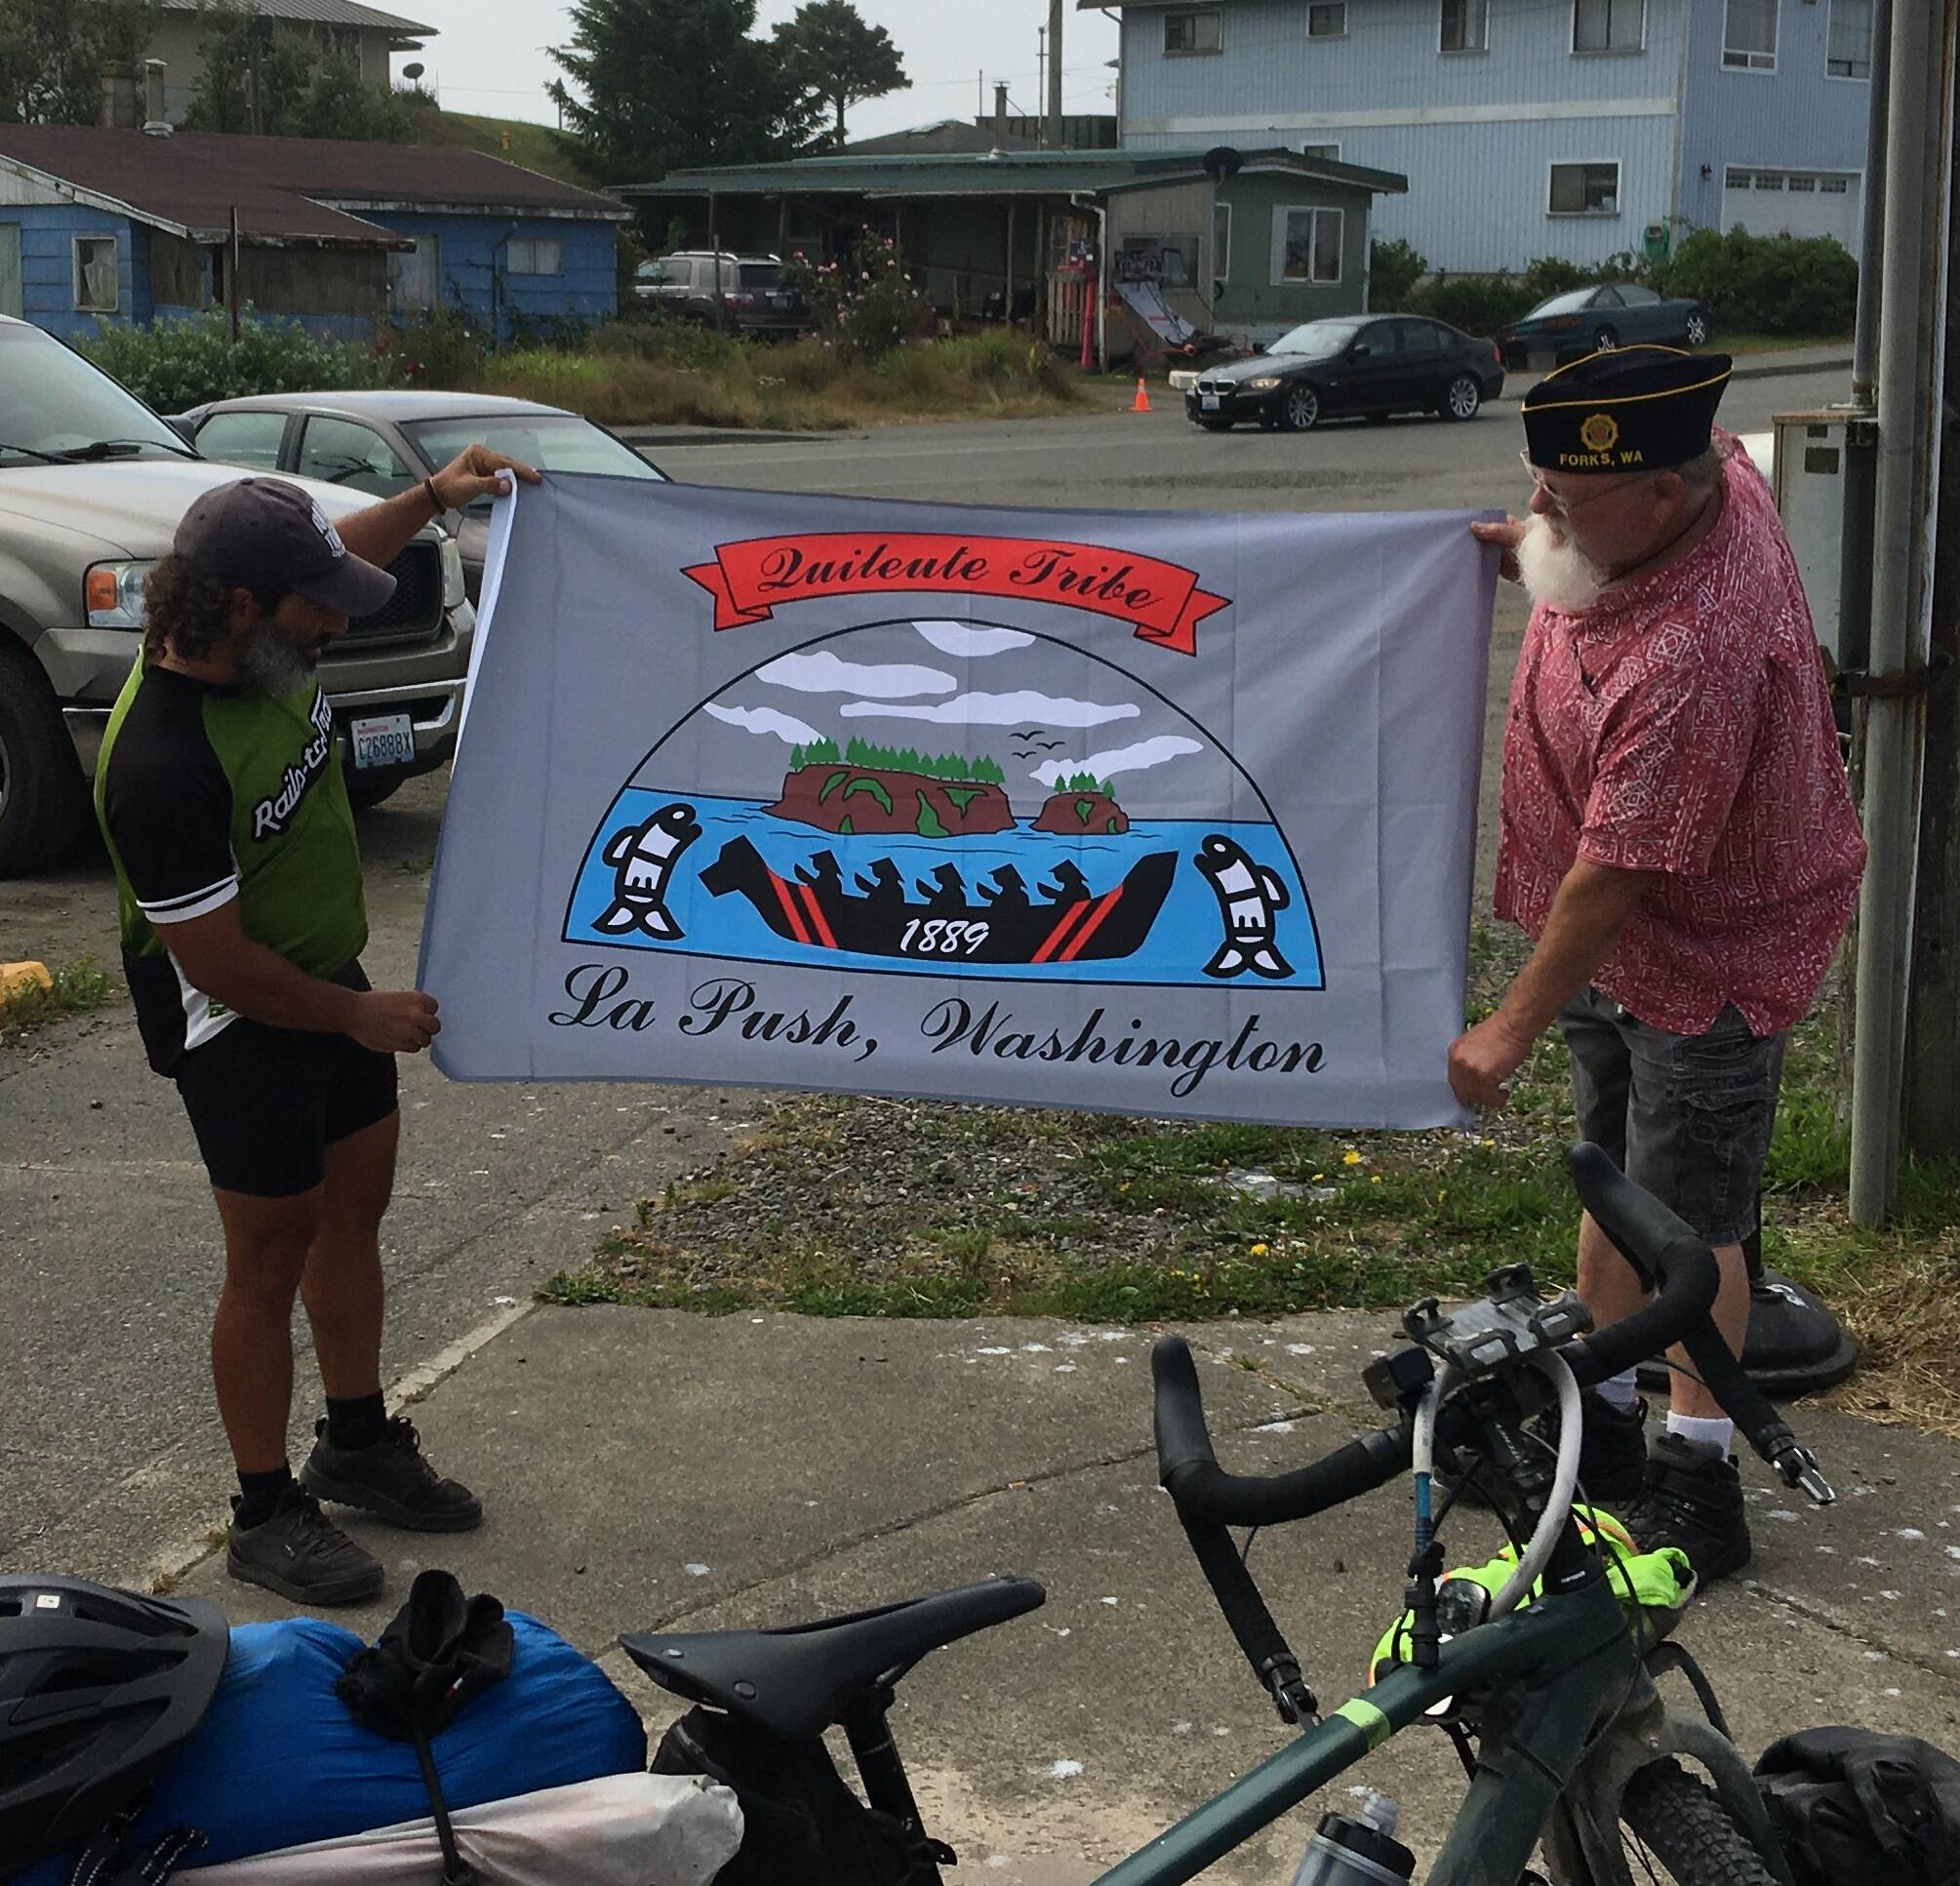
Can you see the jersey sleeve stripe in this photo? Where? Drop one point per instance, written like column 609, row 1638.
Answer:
column 193, row 904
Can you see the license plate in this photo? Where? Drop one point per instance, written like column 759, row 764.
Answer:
column 382, row 739
column 1208, row 402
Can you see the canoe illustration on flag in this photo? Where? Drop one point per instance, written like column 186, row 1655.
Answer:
column 870, row 802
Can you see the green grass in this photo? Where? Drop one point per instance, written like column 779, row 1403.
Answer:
column 79, row 989
column 871, row 1208
column 536, row 146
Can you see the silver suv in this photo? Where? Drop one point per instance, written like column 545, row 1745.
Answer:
column 92, row 485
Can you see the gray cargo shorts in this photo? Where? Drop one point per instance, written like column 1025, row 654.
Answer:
column 1688, row 1116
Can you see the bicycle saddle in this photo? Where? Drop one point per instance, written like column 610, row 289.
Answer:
column 798, row 1680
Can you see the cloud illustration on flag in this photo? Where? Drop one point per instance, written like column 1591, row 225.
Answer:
column 1138, row 758
column 765, row 720
column 998, row 710
column 822, row 672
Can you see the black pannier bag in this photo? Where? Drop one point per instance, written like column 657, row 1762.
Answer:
column 1852, row 1806
column 801, row 1821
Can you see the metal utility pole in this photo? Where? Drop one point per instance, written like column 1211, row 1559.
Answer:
column 1931, row 1126
column 1911, row 331
column 1053, row 139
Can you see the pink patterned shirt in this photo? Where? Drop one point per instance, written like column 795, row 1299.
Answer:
column 1682, row 725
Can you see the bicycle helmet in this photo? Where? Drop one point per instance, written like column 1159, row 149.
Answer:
column 99, row 1691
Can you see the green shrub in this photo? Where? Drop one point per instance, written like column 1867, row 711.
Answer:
column 441, row 349
column 1477, row 303
column 664, row 338
column 1766, row 284
column 1393, row 270
column 178, row 364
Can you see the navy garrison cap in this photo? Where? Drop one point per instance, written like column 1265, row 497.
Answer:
column 1633, row 409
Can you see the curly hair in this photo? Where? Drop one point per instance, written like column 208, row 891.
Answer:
column 190, row 613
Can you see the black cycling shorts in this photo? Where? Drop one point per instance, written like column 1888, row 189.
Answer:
column 266, row 1103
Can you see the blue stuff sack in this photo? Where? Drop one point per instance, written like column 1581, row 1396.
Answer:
column 278, row 1760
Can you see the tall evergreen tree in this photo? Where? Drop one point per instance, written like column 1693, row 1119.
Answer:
column 838, row 58
column 52, row 55
column 653, row 85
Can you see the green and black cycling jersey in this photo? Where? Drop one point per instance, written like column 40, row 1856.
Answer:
column 207, row 793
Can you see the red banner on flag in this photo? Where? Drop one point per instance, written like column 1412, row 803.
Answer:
column 1161, row 601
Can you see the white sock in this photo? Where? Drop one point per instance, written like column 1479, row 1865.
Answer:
column 1703, row 1430
column 1617, row 1390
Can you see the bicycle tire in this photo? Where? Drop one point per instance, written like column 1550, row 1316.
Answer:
column 1684, row 1825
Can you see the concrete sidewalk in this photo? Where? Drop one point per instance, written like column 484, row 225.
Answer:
column 650, row 1468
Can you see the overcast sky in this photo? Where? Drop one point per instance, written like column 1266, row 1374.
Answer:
column 487, row 56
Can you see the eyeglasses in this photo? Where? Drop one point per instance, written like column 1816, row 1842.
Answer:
column 1565, row 506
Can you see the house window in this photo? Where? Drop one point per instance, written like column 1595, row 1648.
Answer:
column 1609, row 26
column 1736, row 179
column 1847, row 49
column 1221, row 243
column 534, row 255
column 1834, row 185
column 1309, row 245
column 1330, row 151
column 1806, row 184
column 1327, row 22
column 1466, row 26
column 1192, row 33
column 1749, row 35
column 97, row 288
column 1585, row 189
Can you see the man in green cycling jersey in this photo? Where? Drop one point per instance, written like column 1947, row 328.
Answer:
column 220, row 795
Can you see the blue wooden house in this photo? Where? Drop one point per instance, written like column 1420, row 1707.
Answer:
column 106, row 227
column 1528, row 128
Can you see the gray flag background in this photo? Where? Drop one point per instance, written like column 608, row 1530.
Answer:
column 929, row 816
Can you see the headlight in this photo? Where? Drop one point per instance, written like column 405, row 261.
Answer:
column 113, row 594
column 1264, row 386
column 452, row 590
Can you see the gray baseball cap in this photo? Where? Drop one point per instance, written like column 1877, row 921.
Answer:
column 267, row 535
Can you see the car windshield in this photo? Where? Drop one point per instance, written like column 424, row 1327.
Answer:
column 761, row 274
column 1568, row 304
column 55, row 405
column 547, row 441
column 1316, row 338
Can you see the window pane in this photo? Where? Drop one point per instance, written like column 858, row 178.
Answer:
column 1296, row 249
column 1849, row 54
column 1466, row 26
column 1632, row 295
column 1749, row 36
column 242, row 438
column 1808, row 183
column 341, row 452
column 1737, row 179
column 1606, row 25
column 96, row 285
column 1327, row 229
column 1835, row 185
column 1585, row 189
column 1191, row 32
column 1327, row 21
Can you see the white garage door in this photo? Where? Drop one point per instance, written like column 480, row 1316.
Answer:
column 1800, row 203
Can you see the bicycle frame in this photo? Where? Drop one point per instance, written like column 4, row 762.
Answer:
column 1565, row 1655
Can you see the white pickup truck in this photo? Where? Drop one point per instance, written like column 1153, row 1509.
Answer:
column 91, row 486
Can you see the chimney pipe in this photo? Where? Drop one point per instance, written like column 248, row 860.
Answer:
column 1000, row 114
column 119, row 98
column 156, row 125
column 1052, row 129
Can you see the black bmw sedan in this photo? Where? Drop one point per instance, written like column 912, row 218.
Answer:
column 1348, row 364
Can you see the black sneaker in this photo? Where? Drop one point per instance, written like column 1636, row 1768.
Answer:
column 1693, row 1498
column 300, row 1553
column 1612, row 1455
column 390, row 1480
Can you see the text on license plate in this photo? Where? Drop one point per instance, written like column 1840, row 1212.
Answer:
column 382, row 739
column 1208, row 402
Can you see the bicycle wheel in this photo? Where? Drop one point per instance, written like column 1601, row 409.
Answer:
column 1675, row 1827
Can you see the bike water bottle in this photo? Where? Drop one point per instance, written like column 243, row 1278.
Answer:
column 1346, row 1852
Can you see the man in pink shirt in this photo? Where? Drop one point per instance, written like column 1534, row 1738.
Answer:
column 1679, row 840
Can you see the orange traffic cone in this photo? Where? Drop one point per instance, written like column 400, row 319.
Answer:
column 1142, row 403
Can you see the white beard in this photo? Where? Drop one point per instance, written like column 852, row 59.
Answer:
column 1556, row 571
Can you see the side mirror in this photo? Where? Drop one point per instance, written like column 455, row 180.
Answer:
column 182, row 427
column 1360, row 350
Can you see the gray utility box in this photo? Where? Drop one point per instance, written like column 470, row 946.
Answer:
column 1810, row 476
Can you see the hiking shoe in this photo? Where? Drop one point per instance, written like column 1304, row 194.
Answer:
column 301, row 1555
column 1693, row 1498
column 392, row 1480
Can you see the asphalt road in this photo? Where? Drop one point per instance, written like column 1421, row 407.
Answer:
column 111, row 1462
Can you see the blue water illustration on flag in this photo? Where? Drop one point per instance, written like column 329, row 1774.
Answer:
column 1187, row 903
